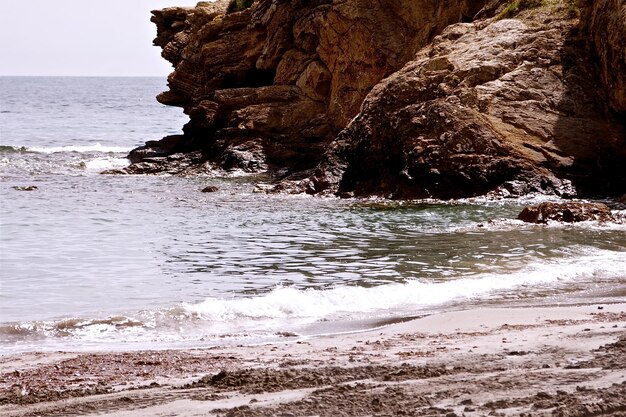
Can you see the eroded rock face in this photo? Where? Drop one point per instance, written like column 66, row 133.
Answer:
column 269, row 87
column 570, row 212
column 488, row 106
column 605, row 21
column 507, row 106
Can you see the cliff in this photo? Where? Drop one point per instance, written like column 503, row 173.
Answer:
column 509, row 106
column 605, row 23
column 401, row 98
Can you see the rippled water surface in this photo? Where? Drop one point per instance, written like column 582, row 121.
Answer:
column 92, row 260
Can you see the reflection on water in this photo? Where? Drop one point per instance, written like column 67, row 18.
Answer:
column 310, row 243
column 100, row 258
column 90, row 243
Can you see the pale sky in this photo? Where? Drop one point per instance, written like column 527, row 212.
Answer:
column 81, row 37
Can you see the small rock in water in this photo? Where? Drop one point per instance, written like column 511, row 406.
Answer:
column 210, row 189
column 26, row 188
column 262, row 188
column 570, row 212
column 287, row 334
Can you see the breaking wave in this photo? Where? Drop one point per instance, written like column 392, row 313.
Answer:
column 96, row 147
column 100, row 164
column 288, row 309
column 413, row 295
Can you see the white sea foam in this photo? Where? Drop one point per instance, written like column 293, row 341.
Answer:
column 262, row 318
column 505, row 225
column 100, row 164
column 484, row 200
column 347, row 301
column 95, row 147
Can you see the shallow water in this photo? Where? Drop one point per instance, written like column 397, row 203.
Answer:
column 94, row 261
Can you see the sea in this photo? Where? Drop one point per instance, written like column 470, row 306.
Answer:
column 93, row 262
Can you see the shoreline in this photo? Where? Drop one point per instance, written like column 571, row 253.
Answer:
column 499, row 361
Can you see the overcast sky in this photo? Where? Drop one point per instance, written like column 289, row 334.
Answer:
column 81, row 37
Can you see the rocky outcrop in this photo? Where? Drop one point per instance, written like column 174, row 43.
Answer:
column 507, row 106
column 570, row 212
column 267, row 88
column 605, row 20
column 402, row 99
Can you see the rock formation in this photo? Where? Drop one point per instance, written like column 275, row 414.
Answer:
column 401, row 98
column 508, row 105
column 570, row 212
column 605, row 20
column 269, row 87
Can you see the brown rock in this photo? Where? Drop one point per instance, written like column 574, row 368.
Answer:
column 570, row 212
column 361, row 43
column 605, row 21
column 283, row 77
column 505, row 106
column 315, row 81
column 210, row 189
column 488, row 106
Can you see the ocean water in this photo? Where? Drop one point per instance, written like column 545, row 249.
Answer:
column 91, row 261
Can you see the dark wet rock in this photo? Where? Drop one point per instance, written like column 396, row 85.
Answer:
column 210, row 189
column 26, row 188
column 248, row 157
column 153, row 149
column 570, row 212
column 184, row 164
column 517, row 353
column 506, row 106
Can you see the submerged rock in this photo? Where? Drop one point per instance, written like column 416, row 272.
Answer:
column 570, row 212
column 210, row 189
column 26, row 188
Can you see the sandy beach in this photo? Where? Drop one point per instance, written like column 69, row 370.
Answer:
column 564, row 361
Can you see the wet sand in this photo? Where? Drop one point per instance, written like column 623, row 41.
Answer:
column 562, row 361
